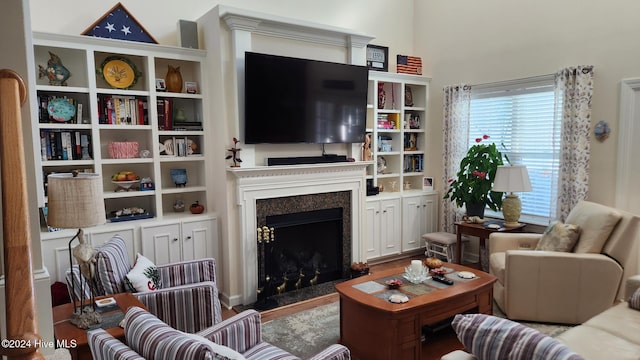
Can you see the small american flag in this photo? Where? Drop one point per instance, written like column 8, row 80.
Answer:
column 409, row 65
column 118, row 23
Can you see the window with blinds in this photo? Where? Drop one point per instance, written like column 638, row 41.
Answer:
column 519, row 117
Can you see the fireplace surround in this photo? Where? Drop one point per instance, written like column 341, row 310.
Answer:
column 311, row 241
column 273, row 182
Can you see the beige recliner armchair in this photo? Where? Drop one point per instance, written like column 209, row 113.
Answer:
column 566, row 287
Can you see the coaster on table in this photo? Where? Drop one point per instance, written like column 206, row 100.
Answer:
column 398, row 298
column 466, row 274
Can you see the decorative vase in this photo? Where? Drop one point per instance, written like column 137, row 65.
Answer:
column 382, row 96
column 179, row 177
column 173, row 80
column 475, row 209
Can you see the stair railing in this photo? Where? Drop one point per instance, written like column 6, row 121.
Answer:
column 22, row 340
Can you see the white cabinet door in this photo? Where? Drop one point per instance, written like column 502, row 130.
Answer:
column 161, row 242
column 413, row 222
column 372, row 230
column 430, row 206
column 382, row 235
column 419, row 216
column 197, row 239
column 390, row 227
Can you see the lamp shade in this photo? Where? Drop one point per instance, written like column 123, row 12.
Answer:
column 513, row 178
column 75, row 201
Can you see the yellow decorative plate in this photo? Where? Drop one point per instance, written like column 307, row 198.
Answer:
column 119, row 72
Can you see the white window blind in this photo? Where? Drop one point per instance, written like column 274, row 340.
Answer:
column 520, row 119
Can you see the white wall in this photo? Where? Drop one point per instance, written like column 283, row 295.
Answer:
column 491, row 40
column 390, row 22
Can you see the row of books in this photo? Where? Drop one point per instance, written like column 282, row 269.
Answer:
column 122, row 110
column 65, row 145
column 413, row 163
column 44, row 115
column 119, row 110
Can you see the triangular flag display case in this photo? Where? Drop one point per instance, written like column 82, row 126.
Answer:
column 118, row 23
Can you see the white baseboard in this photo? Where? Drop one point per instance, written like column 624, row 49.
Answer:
column 230, row 301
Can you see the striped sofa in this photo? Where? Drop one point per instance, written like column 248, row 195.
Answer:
column 238, row 337
column 187, row 299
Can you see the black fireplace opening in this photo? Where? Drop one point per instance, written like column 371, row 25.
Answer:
column 303, row 250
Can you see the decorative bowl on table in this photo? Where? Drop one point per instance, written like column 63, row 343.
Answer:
column 433, row 263
column 393, row 283
column 438, row 271
column 416, row 276
column 125, row 185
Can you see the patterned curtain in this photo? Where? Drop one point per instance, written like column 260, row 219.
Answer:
column 574, row 87
column 455, row 132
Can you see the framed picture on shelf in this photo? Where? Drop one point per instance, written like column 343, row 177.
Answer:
column 161, row 85
column 191, row 86
column 427, row 183
column 377, row 57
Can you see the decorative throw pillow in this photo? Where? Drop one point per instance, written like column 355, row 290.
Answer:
column 112, row 265
column 490, row 337
column 634, row 300
column 144, row 276
column 596, row 223
column 559, row 237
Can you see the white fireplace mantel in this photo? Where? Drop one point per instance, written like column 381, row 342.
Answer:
column 268, row 182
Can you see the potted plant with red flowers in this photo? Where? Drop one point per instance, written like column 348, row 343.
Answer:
column 474, row 180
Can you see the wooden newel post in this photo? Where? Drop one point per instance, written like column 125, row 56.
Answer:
column 23, row 340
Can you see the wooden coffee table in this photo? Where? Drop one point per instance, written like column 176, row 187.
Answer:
column 76, row 338
column 374, row 328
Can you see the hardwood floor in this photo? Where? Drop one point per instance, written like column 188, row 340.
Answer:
column 432, row 349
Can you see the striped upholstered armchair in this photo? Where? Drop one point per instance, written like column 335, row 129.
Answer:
column 187, row 299
column 236, row 338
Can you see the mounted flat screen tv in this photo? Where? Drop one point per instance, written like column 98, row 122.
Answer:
column 292, row 100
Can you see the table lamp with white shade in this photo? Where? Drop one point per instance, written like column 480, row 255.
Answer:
column 511, row 179
column 75, row 201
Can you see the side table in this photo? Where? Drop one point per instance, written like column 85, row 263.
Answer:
column 67, row 333
column 482, row 233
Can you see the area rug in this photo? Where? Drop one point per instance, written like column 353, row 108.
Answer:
column 305, row 333
column 308, row 332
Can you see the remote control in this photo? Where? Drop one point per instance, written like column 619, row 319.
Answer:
column 442, row 279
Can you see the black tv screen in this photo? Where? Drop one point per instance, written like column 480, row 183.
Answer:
column 291, row 100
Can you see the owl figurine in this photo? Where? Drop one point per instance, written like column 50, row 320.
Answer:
column 55, row 71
